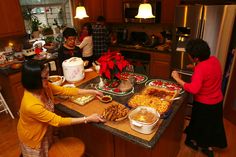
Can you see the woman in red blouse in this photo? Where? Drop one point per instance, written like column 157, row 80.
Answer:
column 206, row 128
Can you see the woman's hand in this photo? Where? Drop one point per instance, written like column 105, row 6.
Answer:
column 98, row 93
column 175, row 75
column 90, row 91
column 177, row 78
column 95, row 118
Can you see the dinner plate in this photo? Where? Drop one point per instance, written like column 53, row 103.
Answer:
column 115, row 112
column 164, row 84
column 139, row 78
column 113, row 91
column 121, row 119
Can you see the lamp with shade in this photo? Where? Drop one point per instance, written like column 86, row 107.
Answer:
column 80, row 12
column 145, row 11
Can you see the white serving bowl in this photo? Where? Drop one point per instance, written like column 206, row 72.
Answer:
column 56, row 79
column 139, row 124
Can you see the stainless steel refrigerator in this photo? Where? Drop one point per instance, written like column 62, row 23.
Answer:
column 212, row 23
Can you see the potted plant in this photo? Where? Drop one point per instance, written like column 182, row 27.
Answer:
column 112, row 65
column 35, row 23
column 47, row 30
column 32, row 22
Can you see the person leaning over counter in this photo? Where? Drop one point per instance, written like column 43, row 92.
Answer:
column 206, row 127
column 37, row 110
column 68, row 49
column 86, row 44
column 101, row 38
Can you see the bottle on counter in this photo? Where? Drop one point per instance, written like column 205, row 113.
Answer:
column 125, row 34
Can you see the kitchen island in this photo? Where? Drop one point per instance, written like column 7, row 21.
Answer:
column 116, row 139
column 12, row 88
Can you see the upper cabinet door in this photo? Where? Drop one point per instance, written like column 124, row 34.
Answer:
column 168, row 11
column 94, row 8
column 11, row 22
column 110, row 9
column 113, row 10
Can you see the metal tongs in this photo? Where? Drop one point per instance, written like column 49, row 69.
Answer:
column 176, row 98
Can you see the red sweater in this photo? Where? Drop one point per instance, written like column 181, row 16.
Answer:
column 206, row 82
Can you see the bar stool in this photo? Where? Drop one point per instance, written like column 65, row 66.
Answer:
column 3, row 105
column 67, row 147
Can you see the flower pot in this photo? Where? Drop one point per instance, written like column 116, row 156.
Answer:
column 35, row 34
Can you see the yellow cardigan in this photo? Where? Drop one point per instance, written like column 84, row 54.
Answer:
column 35, row 118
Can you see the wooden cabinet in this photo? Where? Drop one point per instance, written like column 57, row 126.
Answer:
column 168, row 11
column 105, row 142
column 160, row 65
column 111, row 10
column 11, row 22
column 94, row 8
column 12, row 90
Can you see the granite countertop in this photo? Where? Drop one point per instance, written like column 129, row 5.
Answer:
column 8, row 71
column 123, row 100
column 137, row 48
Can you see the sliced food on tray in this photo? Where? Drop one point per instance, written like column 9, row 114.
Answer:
column 144, row 100
column 115, row 112
column 161, row 93
column 155, row 97
column 164, row 84
column 82, row 99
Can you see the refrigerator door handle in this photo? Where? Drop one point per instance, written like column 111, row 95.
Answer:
column 202, row 29
column 198, row 34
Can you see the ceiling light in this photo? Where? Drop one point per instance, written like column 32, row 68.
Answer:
column 80, row 12
column 145, row 11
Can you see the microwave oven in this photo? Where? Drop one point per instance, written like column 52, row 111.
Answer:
column 131, row 10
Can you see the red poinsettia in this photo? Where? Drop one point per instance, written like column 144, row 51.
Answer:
column 112, row 64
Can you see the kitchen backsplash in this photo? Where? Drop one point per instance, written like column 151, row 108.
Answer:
column 16, row 41
column 149, row 29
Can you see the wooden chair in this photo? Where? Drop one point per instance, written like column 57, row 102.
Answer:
column 3, row 105
column 67, row 147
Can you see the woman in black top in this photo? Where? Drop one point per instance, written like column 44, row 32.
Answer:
column 68, row 49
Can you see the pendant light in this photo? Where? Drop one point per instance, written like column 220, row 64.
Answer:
column 145, row 11
column 80, row 12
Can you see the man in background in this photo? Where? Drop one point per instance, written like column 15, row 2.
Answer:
column 101, row 37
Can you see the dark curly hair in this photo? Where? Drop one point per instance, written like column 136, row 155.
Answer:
column 198, row 48
column 69, row 32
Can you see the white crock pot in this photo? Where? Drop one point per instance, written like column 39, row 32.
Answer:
column 73, row 69
column 142, row 127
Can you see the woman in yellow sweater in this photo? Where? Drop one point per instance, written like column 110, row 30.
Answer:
column 37, row 110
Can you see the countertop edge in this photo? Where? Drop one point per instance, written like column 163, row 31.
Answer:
column 147, row 144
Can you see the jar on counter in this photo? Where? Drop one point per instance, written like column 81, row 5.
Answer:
column 9, row 56
column 2, row 58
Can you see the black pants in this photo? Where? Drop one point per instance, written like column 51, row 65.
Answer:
column 206, row 126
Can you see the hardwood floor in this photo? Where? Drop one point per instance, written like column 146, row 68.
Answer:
column 230, row 151
column 9, row 141
column 8, row 136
